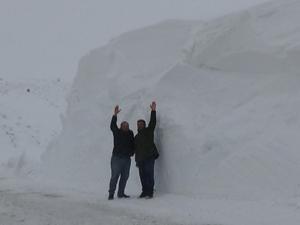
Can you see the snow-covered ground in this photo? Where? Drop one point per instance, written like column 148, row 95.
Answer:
column 29, row 202
column 228, row 127
column 39, row 205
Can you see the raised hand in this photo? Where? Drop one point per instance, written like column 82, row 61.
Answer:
column 153, row 106
column 117, row 110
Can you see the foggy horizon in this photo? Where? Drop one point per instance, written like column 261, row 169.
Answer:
column 47, row 39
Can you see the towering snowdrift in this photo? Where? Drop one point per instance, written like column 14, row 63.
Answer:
column 228, row 104
column 262, row 40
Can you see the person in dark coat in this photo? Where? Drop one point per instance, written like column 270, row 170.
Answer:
column 121, row 157
column 146, row 153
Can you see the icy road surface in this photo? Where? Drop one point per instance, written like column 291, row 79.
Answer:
column 42, row 208
column 35, row 203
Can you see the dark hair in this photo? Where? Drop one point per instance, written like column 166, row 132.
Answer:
column 124, row 122
column 143, row 121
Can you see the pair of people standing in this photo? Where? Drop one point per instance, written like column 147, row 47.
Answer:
column 125, row 146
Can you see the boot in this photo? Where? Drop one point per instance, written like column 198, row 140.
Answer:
column 123, row 196
column 150, row 196
column 143, row 195
column 111, row 197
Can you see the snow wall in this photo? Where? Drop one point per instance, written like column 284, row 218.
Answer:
column 228, row 105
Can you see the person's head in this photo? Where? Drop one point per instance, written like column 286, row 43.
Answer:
column 141, row 124
column 125, row 126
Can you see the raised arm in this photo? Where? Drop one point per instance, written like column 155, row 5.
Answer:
column 152, row 122
column 113, row 123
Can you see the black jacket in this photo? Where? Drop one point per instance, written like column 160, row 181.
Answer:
column 123, row 141
column 144, row 141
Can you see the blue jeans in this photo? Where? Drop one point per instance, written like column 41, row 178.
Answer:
column 146, row 171
column 120, row 168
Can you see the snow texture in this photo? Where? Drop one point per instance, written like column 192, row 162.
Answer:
column 29, row 120
column 228, row 105
column 228, row 127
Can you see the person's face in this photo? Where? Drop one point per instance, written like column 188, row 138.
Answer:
column 140, row 125
column 124, row 126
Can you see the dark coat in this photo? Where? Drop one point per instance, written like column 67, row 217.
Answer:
column 144, row 145
column 123, row 141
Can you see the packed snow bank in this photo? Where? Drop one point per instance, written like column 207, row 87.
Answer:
column 262, row 40
column 29, row 120
column 228, row 105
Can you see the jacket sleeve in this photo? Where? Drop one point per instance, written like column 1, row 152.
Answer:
column 152, row 122
column 132, row 144
column 113, row 124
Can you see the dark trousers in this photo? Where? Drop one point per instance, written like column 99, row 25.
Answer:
column 120, row 168
column 146, row 171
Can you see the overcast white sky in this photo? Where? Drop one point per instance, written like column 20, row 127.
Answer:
column 40, row 38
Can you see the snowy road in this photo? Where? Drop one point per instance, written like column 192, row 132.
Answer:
column 22, row 205
column 29, row 202
column 34, row 208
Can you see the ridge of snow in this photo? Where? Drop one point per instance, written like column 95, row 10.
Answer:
column 228, row 101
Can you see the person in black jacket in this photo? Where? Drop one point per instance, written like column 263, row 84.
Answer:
column 146, row 153
column 120, row 160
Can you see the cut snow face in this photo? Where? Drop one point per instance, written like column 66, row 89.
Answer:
column 228, row 104
column 262, row 40
column 29, row 119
